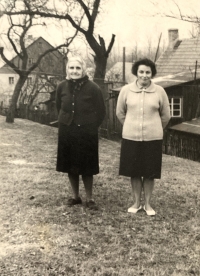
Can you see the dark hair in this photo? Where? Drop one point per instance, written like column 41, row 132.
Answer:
column 144, row 61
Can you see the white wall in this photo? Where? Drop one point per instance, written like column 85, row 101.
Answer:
column 6, row 89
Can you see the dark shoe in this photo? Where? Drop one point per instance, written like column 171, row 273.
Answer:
column 73, row 201
column 91, row 205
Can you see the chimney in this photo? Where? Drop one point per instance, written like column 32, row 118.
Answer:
column 173, row 37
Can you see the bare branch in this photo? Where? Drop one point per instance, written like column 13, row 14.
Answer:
column 70, row 39
column 178, row 9
column 102, row 42
column 110, row 45
column 179, row 15
column 11, row 41
column 47, row 15
column 86, row 10
column 95, row 9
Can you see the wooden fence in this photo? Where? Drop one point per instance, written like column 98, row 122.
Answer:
column 182, row 144
column 111, row 125
column 111, row 128
column 39, row 116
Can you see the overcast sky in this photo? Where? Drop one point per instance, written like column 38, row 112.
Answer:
column 134, row 20
column 140, row 20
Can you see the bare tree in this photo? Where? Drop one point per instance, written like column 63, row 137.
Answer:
column 175, row 10
column 195, row 31
column 82, row 15
column 18, row 31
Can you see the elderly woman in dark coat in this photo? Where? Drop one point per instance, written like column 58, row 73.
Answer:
column 81, row 110
column 143, row 109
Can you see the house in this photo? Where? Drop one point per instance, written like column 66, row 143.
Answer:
column 115, row 74
column 184, row 95
column 178, row 72
column 181, row 55
column 40, row 82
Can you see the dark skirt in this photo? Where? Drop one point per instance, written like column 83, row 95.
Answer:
column 78, row 149
column 141, row 159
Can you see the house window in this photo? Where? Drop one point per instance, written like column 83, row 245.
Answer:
column 11, row 80
column 30, row 61
column 29, row 81
column 40, row 44
column 175, row 107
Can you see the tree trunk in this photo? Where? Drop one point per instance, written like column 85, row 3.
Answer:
column 100, row 71
column 12, row 108
column 100, row 57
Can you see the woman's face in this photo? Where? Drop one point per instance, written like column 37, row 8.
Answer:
column 144, row 75
column 74, row 70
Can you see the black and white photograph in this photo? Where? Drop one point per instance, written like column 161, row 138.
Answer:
column 99, row 138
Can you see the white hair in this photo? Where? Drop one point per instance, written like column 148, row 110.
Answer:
column 79, row 60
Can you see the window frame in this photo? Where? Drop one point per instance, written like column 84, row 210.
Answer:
column 172, row 109
column 30, row 61
column 11, row 80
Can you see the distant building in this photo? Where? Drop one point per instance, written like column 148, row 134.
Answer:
column 115, row 74
column 40, row 82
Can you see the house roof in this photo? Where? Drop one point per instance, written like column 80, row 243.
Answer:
column 177, row 79
column 118, row 69
column 182, row 57
column 188, row 127
column 41, row 38
column 7, row 70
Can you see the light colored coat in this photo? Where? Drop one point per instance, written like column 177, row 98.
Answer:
column 144, row 113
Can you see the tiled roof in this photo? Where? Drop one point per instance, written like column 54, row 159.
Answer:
column 176, row 79
column 181, row 58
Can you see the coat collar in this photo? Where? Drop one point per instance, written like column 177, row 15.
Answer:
column 135, row 88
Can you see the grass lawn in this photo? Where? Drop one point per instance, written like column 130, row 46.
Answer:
column 41, row 235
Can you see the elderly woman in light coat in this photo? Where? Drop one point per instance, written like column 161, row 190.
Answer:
column 143, row 109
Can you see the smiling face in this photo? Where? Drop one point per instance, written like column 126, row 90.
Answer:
column 74, row 70
column 144, row 75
